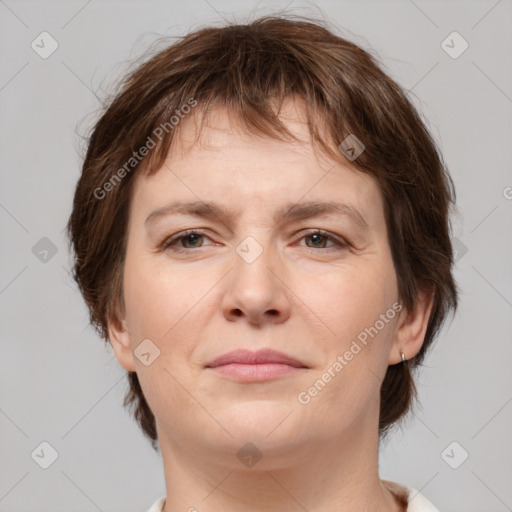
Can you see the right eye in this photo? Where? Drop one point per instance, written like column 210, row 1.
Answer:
column 191, row 236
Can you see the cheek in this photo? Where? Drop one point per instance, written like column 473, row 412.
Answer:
column 153, row 300
column 355, row 340
column 165, row 304
column 348, row 298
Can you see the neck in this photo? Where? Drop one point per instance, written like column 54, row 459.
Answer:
column 321, row 477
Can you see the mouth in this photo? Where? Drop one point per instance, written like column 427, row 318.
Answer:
column 249, row 366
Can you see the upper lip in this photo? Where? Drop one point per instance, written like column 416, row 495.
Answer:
column 263, row 356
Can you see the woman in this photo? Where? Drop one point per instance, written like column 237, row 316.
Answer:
column 261, row 232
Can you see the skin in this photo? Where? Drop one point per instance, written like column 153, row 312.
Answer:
column 303, row 296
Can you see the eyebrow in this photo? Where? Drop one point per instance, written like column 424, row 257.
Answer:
column 289, row 212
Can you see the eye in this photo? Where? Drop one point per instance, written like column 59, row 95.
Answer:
column 191, row 238
column 319, row 239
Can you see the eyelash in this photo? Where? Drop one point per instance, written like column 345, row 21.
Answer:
column 169, row 243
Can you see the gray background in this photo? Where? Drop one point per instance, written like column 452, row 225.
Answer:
column 60, row 384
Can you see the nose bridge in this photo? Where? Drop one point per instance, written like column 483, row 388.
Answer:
column 255, row 257
column 255, row 288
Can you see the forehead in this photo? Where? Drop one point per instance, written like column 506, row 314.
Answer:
column 223, row 162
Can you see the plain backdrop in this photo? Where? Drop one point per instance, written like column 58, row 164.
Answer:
column 59, row 383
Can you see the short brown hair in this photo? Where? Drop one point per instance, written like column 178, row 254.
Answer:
column 245, row 68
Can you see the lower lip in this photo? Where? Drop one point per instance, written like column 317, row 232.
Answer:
column 256, row 372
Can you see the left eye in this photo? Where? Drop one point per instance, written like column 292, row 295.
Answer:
column 320, row 238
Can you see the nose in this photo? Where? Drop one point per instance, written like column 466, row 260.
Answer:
column 256, row 291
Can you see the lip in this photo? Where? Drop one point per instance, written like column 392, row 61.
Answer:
column 261, row 365
column 263, row 356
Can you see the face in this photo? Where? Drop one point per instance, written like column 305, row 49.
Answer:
column 315, row 284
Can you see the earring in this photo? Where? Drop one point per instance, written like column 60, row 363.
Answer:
column 403, row 356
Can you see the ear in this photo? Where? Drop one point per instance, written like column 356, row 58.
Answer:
column 411, row 329
column 120, row 340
